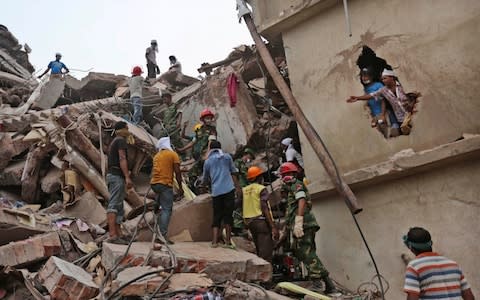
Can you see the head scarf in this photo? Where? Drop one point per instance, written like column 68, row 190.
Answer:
column 164, row 143
column 388, row 73
column 287, row 141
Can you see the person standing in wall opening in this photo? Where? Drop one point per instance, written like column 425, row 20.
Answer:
column 56, row 66
column 135, row 85
column 151, row 56
column 118, row 180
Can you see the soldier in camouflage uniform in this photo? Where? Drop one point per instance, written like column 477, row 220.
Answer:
column 171, row 121
column 242, row 164
column 302, row 225
column 199, row 144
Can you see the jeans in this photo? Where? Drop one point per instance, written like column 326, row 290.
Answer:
column 165, row 200
column 116, row 188
column 137, row 109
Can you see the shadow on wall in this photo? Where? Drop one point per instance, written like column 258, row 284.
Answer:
column 391, row 109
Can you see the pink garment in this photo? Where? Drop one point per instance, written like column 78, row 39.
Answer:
column 232, row 86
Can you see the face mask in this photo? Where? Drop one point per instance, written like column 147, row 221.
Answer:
column 288, row 179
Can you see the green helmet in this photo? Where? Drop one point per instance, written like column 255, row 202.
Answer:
column 249, row 151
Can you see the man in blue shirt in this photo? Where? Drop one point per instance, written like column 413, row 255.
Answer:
column 56, row 66
column 221, row 172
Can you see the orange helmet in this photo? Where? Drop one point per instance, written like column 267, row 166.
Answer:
column 253, row 172
column 288, row 167
column 137, row 71
column 205, row 113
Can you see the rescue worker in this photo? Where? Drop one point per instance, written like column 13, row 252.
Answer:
column 172, row 121
column 151, row 55
column 135, row 85
column 118, row 180
column 242, row 164
column 56, row 66
column 258, row 215
column 302, row 225
column 166, row 163
column 200, row 143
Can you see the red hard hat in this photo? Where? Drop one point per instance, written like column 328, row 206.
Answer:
column 253, row 172
column 137, row 71
column 206, row 112
column 288, row 167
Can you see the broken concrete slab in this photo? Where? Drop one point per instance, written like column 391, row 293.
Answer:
column 15, row 228
column 12, row 174
column 30, row 250
column 241, row 290
column 142, row 287
column 50, row 92
column 64, row 280
column 93, row 86
column 51, row 182
column 88, row 208
column 219, row 264
column 183, row 281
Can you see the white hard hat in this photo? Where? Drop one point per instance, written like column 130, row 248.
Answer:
column 153, row 42
column 58, row 54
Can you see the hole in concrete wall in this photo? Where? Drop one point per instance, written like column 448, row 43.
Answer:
column 390, row 108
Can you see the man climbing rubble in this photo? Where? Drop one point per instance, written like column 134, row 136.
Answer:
column 56, row 66
column 118, row 180
column 166, row 163
column 151, row 56
column 258, row 215
column 302, row 225
column 200, row 143
column 172, row 121
column 220, row 171
column 135, row 85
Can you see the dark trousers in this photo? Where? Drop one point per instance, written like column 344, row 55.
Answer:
column 223, row 206
column 262, row 237
column 151, row 71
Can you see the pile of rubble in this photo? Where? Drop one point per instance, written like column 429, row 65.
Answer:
column 54, row 136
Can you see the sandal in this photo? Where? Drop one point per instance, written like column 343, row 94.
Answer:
column 229, row 246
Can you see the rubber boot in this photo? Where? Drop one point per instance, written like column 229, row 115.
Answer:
column 329, row 285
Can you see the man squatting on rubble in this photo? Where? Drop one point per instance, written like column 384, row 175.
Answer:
column 203, row 135
column 302, row 225
column 258, row 215
column 175, row 65
column 135, row 85
column 118, row 180
column 56, row 66
column 220, row 171
column 172, row 121
column 151, row 56
column 430, row 275
column 166, row 163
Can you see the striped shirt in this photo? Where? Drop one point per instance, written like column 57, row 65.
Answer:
column 432, row 276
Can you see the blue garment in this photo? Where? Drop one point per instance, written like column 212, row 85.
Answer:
column 116, row 188
column 218, row 169
column 137, row 110
column 56, row 67
column 375, row 105
column 164, row 200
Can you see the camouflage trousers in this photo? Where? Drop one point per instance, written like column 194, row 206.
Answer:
column 305, row 250
column 195, row 172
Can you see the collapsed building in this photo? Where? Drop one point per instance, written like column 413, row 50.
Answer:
column 54, row 139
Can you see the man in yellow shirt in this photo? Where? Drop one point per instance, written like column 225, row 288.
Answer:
column 257, row 214
column 165, row 163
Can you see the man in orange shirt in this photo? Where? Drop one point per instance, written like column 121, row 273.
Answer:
column 165, row 163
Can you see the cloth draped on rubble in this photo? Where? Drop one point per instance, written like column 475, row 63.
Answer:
column 232, row 86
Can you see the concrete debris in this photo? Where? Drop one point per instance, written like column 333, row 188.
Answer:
column 64, row 280
column 54, row 140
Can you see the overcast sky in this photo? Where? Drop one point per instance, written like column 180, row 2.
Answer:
column 112, row 35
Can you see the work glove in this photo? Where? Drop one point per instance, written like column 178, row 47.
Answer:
column 298, row 228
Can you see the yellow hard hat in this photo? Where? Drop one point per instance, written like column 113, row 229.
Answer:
column 197, row 127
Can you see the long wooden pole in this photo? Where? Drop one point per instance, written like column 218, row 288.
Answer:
column 308, row 129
